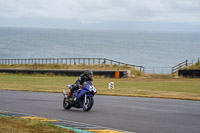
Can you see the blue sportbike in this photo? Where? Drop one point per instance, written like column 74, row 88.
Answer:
column 82, row 98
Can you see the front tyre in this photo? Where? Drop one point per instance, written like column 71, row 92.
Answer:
column 88, row 103
column 66, row 104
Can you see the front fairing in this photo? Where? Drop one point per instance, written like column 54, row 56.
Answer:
column 88, row 88
column 81, row 93
column 89, row 85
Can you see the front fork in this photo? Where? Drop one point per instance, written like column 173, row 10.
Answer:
column 85, row 100
column 64, row 93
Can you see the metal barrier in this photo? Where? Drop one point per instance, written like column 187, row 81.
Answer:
column 105, row 73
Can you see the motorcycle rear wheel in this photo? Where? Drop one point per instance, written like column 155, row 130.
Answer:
column 66, row 104
column 89, row 103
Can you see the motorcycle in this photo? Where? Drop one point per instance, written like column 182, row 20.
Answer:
column 82, row 98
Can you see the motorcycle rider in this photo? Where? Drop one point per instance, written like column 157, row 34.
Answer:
column 86, row 76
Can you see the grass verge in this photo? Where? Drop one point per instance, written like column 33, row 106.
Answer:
column 195, row 66
column 16, row 125
column 157, row 86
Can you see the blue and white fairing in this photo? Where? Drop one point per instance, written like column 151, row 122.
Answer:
column 88, row 89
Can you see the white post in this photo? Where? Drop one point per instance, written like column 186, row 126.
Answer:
column 111, row 85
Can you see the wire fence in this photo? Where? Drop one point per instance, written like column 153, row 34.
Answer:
column 158, row 70
column 171, row 70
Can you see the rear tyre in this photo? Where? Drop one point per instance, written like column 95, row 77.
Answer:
column 66, row 104
column 88, row 104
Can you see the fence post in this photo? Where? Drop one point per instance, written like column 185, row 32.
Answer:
column 186, row 62
column 74, row 61
column 153, row 70
column 66, row 61
column 104, row 62
column 198, row 60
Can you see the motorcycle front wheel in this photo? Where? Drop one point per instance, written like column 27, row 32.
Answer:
column 88, row 103
column 66, row 104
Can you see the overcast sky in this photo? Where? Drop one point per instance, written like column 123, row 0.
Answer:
column 101, row 13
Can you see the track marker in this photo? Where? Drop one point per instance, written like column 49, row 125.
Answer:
column 38, row 118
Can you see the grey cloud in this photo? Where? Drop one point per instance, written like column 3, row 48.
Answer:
column 93, row 11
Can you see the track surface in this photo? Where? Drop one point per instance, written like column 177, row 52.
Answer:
column 140, row 115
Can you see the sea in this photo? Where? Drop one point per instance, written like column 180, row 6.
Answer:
column 156, row 51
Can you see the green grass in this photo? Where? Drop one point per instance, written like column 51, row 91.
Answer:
column 162, row 87
column 194, row 66
column 16, row 125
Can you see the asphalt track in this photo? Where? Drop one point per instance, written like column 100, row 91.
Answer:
column 140, row 115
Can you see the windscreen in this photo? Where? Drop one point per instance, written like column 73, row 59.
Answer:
column 88, row 82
